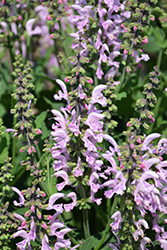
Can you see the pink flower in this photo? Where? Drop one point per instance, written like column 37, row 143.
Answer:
column 49, row 17
column 66, row 79
column 93, row 121
column 44, row 225
column 116, row 185
column 90, row 141
column 144, row 241
column 39, row 131
column 127, row 69
column 145, row 40
column 52, row 199
column 64, row 94
column 27, row 236
column 78, row 171
column 152, row 18
column 90, row 81
column 45, row 243
column 70, row 206
column 66, row 181
column 21, row 197
column 51, row 36
column 59, row 233
column 117, row 220
column 135, row 28
column 29, row 28
column 125, row 51
column 97, row 96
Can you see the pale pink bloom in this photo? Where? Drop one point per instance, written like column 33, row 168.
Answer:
column 52, row 199
column 29, row 27
column 70, row 206
column 97, row 96
column 116, row 185
column 93, row 121
column 42, row 12
column 144, row 241
column 21, row 197
column 78, row 171
column 60, row 119
column 27, row 236
column 22, row 220
column 61, row 137
column 45, row 243
column 106, row 24
column 66, row 181
column 113, row 142
column 163, row 243
column 141, row 222
column 90, row 141
column 117, row 220
column 148, row 139
column 60, row 163
column 63, row 94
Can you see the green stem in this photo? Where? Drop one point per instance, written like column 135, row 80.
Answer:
column 86, row 223
column 14, row 146
column 157, row 107
column 13, row 103
column 108, row 224
column 124, row 69
column 3, row 75
column 84, row 213
column 65, row 42
column 160, row 58
column 28, row 40
column 17, row 177
column 48, row 174
column 44, row 77
column 11, row 54
column 122, row 80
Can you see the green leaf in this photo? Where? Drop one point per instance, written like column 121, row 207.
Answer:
column 4, row 145
column 54, row 105
column 2, row 110
column 121, row 95
column 88, row 244
column 110, row 238
column 40, row 119
column 159, row 35
column 3, row 154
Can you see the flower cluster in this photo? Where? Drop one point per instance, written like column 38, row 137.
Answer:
column 89, row 176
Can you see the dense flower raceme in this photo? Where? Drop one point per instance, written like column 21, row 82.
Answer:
column 110, row 26
column 148, row 196
column 109, row 30
column 68, row 126
column 54, row 227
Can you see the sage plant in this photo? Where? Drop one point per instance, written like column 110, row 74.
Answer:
column 82, row 167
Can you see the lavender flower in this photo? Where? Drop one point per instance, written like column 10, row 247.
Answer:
column 117, row 220
column 97, row 96
column 52, row 199
column 117, row 185
column 62, row 95
column 21, row 198
column 27, row 236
